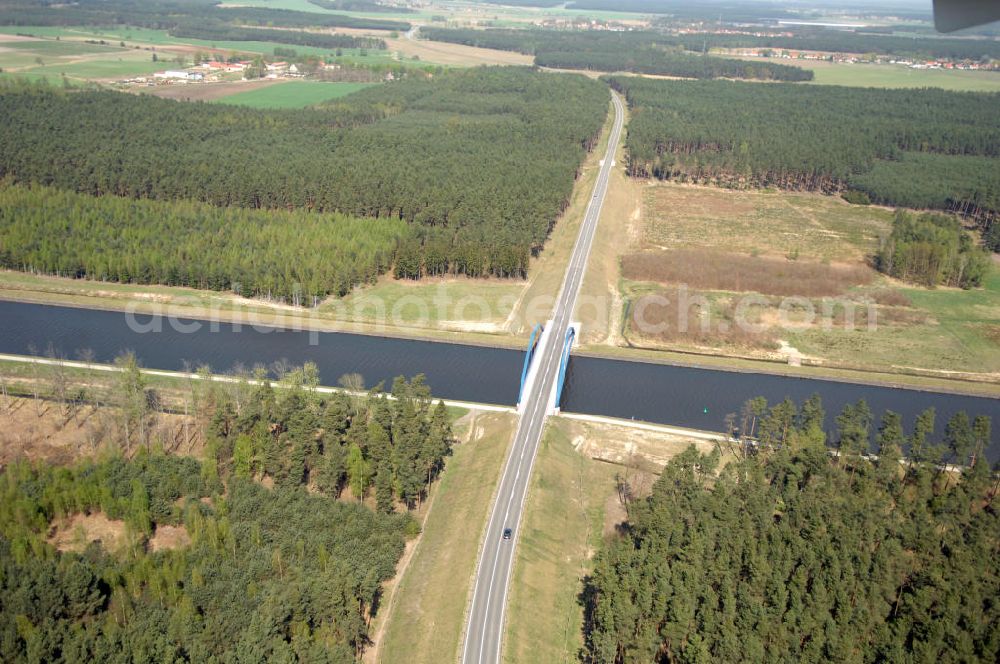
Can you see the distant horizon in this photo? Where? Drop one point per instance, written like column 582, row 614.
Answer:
column 912, row 5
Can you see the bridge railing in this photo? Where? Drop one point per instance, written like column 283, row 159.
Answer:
column 564, row 363
column 536, row 334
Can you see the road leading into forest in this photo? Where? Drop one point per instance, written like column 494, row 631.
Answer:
column 485, row 628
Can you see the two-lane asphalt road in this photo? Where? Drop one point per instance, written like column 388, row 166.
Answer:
column 484, row 631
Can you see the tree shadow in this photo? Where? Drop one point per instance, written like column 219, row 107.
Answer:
column 586, row 599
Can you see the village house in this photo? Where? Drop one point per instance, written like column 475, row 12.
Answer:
column 179, row 75
column 223, row 67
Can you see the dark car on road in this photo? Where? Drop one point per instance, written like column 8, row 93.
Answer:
column 507, row 533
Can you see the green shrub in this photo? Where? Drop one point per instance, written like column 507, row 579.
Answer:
column 855, row 197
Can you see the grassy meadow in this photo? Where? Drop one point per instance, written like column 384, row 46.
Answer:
column 722, row 244
column 143, row 37
column 860, row 75
column 898, row 76
column 451, row 10
column 292, row 94
column 66, row 49
column 811, row 226
column 946, row 329
column 563, row 525
column 37, row 57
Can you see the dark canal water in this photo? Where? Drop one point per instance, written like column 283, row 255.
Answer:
column 680, row 396
column 701, row 398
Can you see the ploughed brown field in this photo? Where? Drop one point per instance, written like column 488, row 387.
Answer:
column 690, row 318
column 207, row 91
column 723, row 271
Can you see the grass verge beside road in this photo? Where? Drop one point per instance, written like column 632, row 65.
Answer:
column 427, row 617
column 572, row 507
column 562, row 527
column 599, row 306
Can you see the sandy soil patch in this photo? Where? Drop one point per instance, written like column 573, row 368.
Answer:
column 149, row 297
column 169, row 537
column 42, row 430
column 78, row 531
column 793, row 354
column 472, row 326
column 626, row 446
column 35, row 430
column 589, row 73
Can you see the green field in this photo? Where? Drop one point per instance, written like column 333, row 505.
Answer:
column 16, row 60
column 807, row 225
column 306, row 6
column 98, row 69
column 498, row 13
column 892, row 76
column 53, row 48
column 292, row 94
column 72, row 34
column 960, row 332
column 459, row 303
column 51, row 59
column 897, row 76
column 971, row 317
column 131, row 36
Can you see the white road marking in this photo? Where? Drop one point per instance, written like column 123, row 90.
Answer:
column 483, row 623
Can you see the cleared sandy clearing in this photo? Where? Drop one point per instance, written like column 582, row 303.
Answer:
column 41, row 430
column 456, row 54
column 76, row 532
